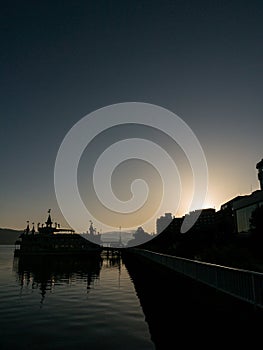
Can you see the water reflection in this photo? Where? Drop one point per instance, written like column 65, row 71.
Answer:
column 175, row 309
column 85, row 303
column 44, row 273
column 112, row 258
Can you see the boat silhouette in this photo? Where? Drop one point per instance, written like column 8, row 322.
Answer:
column 52, row 240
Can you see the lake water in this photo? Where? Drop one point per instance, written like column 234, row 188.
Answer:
column 84, row 305
column 109, row 303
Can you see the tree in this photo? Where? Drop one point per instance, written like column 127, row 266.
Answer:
column 140, row 237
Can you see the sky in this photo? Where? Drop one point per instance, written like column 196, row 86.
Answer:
column 60, row 61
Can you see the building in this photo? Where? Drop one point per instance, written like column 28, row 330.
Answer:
column 225, row 217
column 163, row 221
column 176, row 224
column 233, row 216
column 205, row 219
column 244, row 206
column 243, row 209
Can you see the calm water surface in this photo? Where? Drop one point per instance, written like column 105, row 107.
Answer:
column 74, row 305
column 114, row 303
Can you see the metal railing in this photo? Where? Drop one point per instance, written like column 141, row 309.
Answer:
column 243, row 284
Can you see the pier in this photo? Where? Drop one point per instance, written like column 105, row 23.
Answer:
column 241, row 284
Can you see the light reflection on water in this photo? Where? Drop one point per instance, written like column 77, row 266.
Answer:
column 69, row 305
column 113, row 303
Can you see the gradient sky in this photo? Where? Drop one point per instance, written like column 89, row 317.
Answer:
column 59, row 61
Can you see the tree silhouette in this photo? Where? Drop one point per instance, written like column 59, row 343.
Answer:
column 140, row 237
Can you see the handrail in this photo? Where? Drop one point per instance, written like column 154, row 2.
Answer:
column 243, row 284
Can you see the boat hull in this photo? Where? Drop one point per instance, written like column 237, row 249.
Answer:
column 55, row 245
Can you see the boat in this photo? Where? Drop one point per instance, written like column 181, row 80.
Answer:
column 92, row 235
column 51, row 240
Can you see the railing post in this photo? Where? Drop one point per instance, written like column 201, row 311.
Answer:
column 253, row 289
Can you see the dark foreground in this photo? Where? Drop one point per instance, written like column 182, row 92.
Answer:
column 180, row 310
column 114, row 302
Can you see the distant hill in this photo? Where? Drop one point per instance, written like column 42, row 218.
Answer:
column 9, row 236
column 114, row 236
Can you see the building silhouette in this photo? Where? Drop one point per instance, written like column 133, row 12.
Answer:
column 235, row 214
column 233, row 217
column 205, row 219
column 225, row 217
column 163, row 221
column 243, row 209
